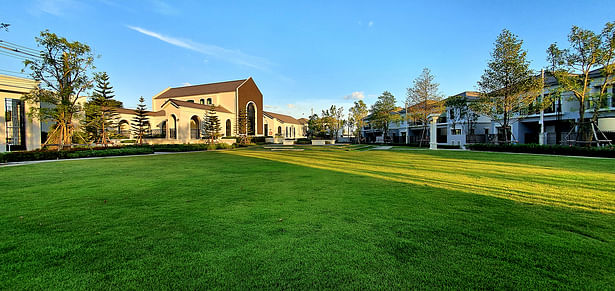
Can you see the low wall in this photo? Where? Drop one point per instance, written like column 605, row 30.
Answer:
column 323, row 141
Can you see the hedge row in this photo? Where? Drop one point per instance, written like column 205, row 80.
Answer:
column 189, row 147
column 606, row 152
column 71, row 154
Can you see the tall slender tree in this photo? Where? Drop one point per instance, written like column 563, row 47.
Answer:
column 63, row 70
column 588, row 51
column 423, row 99
column 508, row 86
column 140, row 123
column 100, row 110
column 356, row 118
column 383, row 113
column 211, row 125
column 334, row 120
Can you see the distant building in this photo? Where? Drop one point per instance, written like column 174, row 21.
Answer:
column 17, row 131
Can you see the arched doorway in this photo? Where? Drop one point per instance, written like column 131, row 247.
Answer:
column 279, row 130
column 251, row 119
column 266, row 129
column 123, row 129
column 228, row 128
column 173, row 127
column 195, row 132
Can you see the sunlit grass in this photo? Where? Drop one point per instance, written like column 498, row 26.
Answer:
column 576, row 188
column 332, row 217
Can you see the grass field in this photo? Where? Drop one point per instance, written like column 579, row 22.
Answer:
column 321, row 218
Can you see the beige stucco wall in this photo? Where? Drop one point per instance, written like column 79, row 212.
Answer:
column 274, row 123
column 15, row 88
column 225, row 99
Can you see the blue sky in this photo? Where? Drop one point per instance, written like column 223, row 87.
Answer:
column 302, row 54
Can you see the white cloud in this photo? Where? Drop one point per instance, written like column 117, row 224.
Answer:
column 186, row 84
column 370, row 23
column 291, row 106
column 270, row 107
column 54, row 7
column 232, row 56
column 355, row 96
column 164, row 8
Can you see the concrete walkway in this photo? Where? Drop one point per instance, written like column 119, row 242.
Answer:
column 382, row 148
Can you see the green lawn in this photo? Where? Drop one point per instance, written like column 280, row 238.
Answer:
column 321, row 218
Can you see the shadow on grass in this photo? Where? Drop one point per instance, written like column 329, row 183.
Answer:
column 579, row 189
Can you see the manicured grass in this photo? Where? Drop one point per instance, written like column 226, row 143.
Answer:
column 327, row 217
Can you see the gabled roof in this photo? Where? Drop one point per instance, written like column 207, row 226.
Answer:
column 303, row 120
column 179, row 103
column 204, row 89
column 132, row 111
column 282, row 117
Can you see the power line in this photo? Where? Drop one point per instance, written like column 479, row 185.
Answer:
column 14, row 72
column 19, row 46
column 14, row 50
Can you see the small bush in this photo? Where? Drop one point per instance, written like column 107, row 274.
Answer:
column 128, row 141
column 606, row 152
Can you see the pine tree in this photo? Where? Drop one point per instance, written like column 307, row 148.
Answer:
column 211, row 125
column 100, row 111
column 140, row 121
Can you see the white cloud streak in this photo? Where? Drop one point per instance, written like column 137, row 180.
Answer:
column 232, row 56
column 355, row 96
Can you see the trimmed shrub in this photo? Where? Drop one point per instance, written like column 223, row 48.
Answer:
column 303, row 141
column 180, row 147
column 71, row 154
column 606, row 152
column 258, row 139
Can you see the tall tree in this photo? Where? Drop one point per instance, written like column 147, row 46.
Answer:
column 100, row 110
column 383, row 113
column 64, row 72
column 356, row 117
column 423, row 99
column 316, row 127
column 571, row 67
column 460, row 113
column 333, row 118
column 508, row 86
column 211, row 125
column 140, row 123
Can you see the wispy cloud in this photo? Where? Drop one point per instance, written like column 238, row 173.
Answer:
column 186, row 84
column 355, row 96
column 291, row 106
column 164, row 8
column 370, row 23
column 270, row 107
column 54, row 7
column 229, row 55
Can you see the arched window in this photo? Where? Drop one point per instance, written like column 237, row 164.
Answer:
column 279, row 130
column 173, row 127
column 209, row 101
column 228, row 127
column 293, row 131
column 251, row 119
column 202, row 101
column 266, row 129
column 286, row 131
column 195, row 132
column 123, row 129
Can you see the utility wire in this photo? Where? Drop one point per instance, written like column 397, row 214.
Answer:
column 8, row 43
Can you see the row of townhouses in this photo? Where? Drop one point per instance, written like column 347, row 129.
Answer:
column 558, row 122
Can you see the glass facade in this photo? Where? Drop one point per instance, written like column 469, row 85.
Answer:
column 14, row 113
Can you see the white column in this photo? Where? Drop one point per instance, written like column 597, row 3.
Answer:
column 433, row 136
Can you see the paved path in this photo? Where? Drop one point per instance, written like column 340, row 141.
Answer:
column 382, row 148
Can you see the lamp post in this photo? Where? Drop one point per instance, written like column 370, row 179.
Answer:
column 433, row 139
